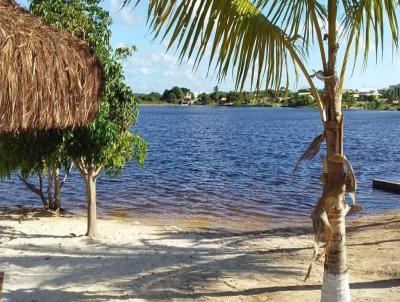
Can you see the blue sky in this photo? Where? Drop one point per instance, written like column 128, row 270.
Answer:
column 151, row 69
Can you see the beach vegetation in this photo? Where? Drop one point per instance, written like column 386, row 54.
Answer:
column 107, row 143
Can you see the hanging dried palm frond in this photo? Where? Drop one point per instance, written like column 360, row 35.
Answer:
column 311, row 151
column 48, row 79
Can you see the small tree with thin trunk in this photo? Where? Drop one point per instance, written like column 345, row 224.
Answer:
column 259, row 40
column 107, row 143
column 100, row 146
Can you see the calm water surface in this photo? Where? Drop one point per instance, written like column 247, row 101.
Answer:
column 236, row 163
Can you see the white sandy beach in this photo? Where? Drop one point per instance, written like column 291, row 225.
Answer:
column 47, row 259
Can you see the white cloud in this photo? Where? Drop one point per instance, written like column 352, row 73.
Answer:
column 168, row 73
column 190, row 75
column 156, row 71
column 144, row 70
column 124, row 11
column 154, row 57
column 168, row 58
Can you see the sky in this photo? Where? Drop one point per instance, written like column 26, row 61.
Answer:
column 153, row 69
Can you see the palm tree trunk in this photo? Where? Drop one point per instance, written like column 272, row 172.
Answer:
column 335, row 285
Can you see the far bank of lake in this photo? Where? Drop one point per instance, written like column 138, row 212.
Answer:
column 392, row 107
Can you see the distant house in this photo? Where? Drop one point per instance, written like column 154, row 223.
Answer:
column 304, row 93
column 395, row 90
column 188, row 99
column 224, row 102
column 366, row 93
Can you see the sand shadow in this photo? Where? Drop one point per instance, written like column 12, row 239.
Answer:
column 150, row 271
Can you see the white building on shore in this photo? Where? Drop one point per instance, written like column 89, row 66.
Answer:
column 365, row 93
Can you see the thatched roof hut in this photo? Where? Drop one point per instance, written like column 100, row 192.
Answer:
column 48, row 79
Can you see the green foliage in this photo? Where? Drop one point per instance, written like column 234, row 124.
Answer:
column 123, row 53
column 83, row 19
column 152, row 97
column 172, row 97
column 32, row 151
column 233, row 97
column 175, row 94
column 349, row 101
column 203, row 99
column 178, row 92
column 373, row 104
column 107, row 143
column 300, row 101
column 215, row 96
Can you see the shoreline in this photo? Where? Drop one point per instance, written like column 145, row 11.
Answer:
column 47, row 259
column 191, row 221
column 272, row 106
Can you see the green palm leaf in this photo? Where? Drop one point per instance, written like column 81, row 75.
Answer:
column 256, row 47
column 365, row 21
column 259, row 40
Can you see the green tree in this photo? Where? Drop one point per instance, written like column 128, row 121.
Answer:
column 174, row 95
column 154, row 96
column 257, row 40
column 46, row 149
column 178, row 92
column 215, row 96
column 349, row 100
column 185, row 91
column 372, row 103
column 107, row 143
column 233, row 97
column 204, row 98
column 172, row 98
column 386, row 93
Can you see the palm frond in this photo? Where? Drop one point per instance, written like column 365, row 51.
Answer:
column 364, row 22
column 236, row 35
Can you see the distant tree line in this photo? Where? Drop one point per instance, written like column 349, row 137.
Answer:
column 177, row 95
column 267, row 98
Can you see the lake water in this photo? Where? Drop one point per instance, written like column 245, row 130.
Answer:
column 235, row 164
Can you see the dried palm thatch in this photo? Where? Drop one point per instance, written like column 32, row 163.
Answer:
column 48, row 79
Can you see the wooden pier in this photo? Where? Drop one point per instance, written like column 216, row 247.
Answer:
column 389, row 186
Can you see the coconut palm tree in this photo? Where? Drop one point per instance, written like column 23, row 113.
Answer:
column 260, row 41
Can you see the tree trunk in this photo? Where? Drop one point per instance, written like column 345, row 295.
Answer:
column 57, row 190
column 335, row 287
column 90, row 181
column 40, row 190
column 49, row 189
